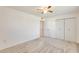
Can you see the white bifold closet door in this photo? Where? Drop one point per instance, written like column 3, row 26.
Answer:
column 50, row 28
column 70, row 30
column 60, row 29
column 54, row 28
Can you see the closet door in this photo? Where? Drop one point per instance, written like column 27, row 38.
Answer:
column 60, row 29
column 70, row 30
column 50, row 28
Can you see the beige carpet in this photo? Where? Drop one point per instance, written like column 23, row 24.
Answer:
column 43, row 45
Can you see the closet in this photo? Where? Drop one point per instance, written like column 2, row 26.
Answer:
column 63, row 29
column 50, row 28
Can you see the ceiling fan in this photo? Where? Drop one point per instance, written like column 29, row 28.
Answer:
column 44, row 10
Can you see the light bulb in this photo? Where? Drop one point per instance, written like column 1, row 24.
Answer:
column 42, row 19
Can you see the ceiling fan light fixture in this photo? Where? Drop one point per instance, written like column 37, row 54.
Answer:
column 45, row 9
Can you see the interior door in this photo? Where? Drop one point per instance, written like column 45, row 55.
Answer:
column 60, row 29
column 70, row 30
column 50, row 28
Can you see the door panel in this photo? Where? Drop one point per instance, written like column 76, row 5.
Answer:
column 60, row 29
column 70, row 30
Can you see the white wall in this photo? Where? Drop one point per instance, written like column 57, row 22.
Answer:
column 77, row 27
column 17, row 27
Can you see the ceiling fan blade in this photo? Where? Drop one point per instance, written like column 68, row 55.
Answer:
column 38, row 10
column 50, row 11
column 49, row 7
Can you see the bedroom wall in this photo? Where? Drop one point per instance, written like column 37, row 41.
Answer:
column 77, row 27
column 17, row 27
